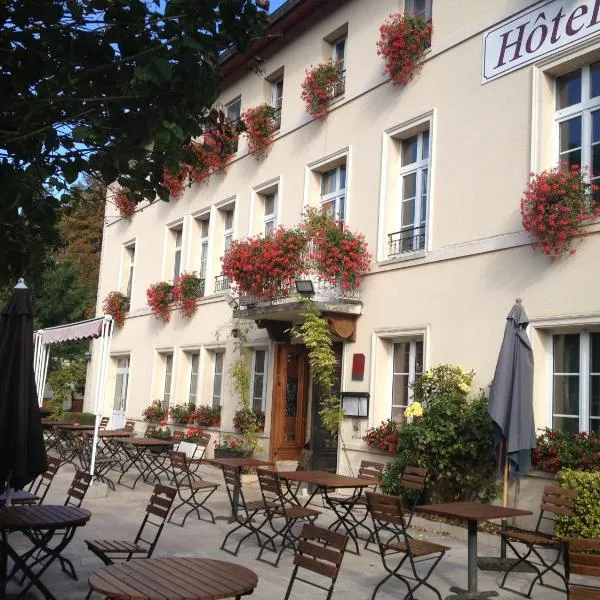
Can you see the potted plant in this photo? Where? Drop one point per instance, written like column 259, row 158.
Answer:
column 556, row 206
column 187, row 289
column 206, row 416
column 403, row 41
column 116, row 305
column 319, row 86
column 260, row 123
column 162, row 433
column 154, row 413
column 159, row 296
column 193, row 434
column 230, row 446
column 244, row 416
column 181, row 413
column 125, row 203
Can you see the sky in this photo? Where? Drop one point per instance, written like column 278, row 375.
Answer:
column 275, row 4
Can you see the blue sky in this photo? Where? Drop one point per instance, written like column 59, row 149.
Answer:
column 275, row 4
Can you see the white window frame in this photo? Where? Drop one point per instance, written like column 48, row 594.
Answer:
column 228, row 231
column 584, row 374
column 338, row 196
column 193, row 389
column 228, row 109
column 218, row 396
column 270, row 218
column 277, row 93
column 412, row 369
column 178, row 251
column 264, row 375
column 204, row 247
column 339, row 91
column 167, row 394
column 583, row 109
column 124, row 371
column 409, row 8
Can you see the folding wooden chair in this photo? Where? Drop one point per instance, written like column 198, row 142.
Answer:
column 143, row 545
column 555, row 501
column 280, row 510
column 103, row 423
column 40, row 486
column 582, row 557
column 293, row 487
column 102, row 464
column 197, row 457
column 320, row 551
column 243, row 512
column 192, row 491
column 393, row 541
column 150, row 431
column 129, row 426
column 413, row 479
column 78, row 488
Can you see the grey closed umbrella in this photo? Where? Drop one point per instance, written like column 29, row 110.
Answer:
column 22, row 452
column 510, row 403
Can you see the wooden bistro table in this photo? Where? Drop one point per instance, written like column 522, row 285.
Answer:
column 174, row 578
column 325, row 482
column 472, row 513
column 239, row 462
column 38, row 523
column 19, row 497
column 137, row 450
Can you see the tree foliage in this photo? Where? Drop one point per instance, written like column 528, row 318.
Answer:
column 111, row 88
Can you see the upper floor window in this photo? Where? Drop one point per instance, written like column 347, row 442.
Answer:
column 578, row 119
column 129, row 268
column 270, row 212
column 421, row 8
column 259, row 380
column 219, row 358
column 576, row 381
column 407, row 367
column 204, row 232
column 233, row 110
column 338, row 56
column 333, row 192
column 177, row 256
column 227, row 228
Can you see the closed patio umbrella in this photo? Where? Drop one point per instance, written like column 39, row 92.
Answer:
column 22, row 452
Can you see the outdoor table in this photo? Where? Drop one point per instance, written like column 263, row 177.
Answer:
column 174, row 578
column 472, row 512
column 110, row 448
column 240, row 462
column 136, row 450
column 38, row 523
column 324, row 482
column 19, row 497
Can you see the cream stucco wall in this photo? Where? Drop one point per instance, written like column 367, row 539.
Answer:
column 485, row 141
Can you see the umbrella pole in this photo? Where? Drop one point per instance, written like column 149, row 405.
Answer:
column 504, row 501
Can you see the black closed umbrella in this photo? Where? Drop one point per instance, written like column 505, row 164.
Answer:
column 22, row 452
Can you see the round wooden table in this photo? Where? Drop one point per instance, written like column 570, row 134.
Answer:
column 174, row 578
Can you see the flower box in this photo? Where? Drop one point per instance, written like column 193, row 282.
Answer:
column 228, row 454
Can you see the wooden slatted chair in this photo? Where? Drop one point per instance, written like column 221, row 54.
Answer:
column 145, row 541
column 320, row 551
column 102, row 464
column 413, row 479
column 197, row 457
column 41, row 485
column 243, row 512
column 78, row 489
column 191, row 489
column 150, row 431
column 582, row 557
column 293, row 487
column 103, row 423
column 129, row 426
column 282, row 516
column 389, row 525
column 555, row 501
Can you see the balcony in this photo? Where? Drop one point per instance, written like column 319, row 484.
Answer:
column 222, row 284
column 406, row 240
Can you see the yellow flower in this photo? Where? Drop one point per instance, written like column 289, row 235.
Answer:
column 464, row 387
column 414, row 410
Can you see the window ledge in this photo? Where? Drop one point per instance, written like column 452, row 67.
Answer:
column 407, row 256
column 337, row 99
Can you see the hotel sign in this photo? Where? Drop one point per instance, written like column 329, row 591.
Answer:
column 543, row 30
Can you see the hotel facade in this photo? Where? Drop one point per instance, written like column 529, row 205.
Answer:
column 432, row 173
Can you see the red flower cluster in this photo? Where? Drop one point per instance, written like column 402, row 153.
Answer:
column 124, row 203
column 214, row 153
column 403, row 41
column 116, row 305
column 558, row 450
column 264, row 267
column 159, row 296
column 186, row 290
column 261, row 124
column 386, row 437
column 319, row 86
column 193, row 434
column 555, row 206
column 176, row 183
column 209, row 416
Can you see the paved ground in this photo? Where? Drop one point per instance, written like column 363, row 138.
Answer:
column 119, row 514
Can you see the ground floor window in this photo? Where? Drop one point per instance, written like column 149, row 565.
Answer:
column 407, row 366
column 121, row 384
column 168, row 378
column 576, row 381
column 218, row 378
column 259, row 380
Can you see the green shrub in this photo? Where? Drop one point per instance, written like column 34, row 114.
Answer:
column 181, row 413
column 585, row 521
column 82, row 418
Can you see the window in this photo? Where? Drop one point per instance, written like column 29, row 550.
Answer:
column 578, row 119
column 204, row 229
column 194, row 367
column 227, row 228
column 407, row 367
column 270, row 212
column 130, row 251
column 218, row 378
column 121, row 385
column 422, row 8
column 338, row 56
column 178, row 233
column 277, row 99
column 168, row 363
column 414, row 186
column 333, row 192
column 233, row 110
column 576, row 381
column 259, row 380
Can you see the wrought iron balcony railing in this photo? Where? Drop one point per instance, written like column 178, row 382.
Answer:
column 222, row 284
column 406, row 240
column 277, row 119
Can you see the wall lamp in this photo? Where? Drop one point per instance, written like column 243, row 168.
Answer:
column 305, row 288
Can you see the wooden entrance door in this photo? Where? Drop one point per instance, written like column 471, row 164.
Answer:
column 290, row 393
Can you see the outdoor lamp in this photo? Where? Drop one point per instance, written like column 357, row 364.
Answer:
column 305, row 288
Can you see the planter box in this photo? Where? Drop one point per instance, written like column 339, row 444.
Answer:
column 227, row 454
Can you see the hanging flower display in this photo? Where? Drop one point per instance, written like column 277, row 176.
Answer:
column 260, row 124
column 124, row 203
column 403, row 41
column 159, row 296
column 176, row 183
column 187, row 289
column 319, row 86
column 116, row 305
column 555, row 207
